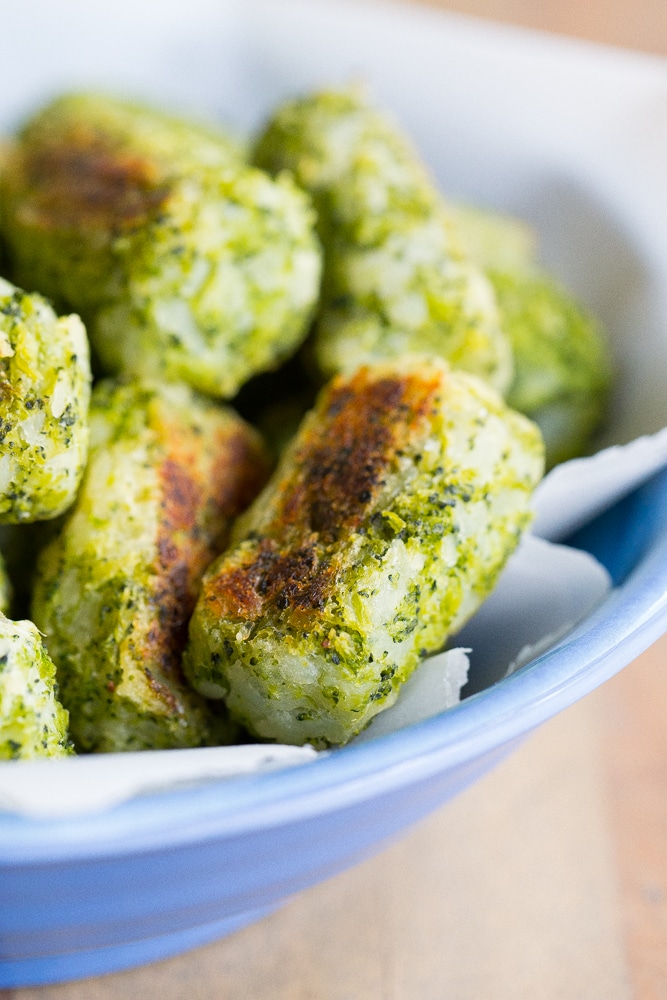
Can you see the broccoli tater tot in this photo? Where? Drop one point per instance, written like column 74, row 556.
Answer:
column 562, row 370
column 33, row 723
column 383, row 528
column 115, row 588
column 44, row 397
column 185, row 262
column 395, row 278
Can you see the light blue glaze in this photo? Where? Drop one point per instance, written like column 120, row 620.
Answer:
column 165, row 873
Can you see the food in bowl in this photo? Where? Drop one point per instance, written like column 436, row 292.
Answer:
column 33, row 723
column 395, row 280
column 114, row 589
column 385, row 525
column 184, row 262
column 44, row 396
column 562, row 370
column 387, row 522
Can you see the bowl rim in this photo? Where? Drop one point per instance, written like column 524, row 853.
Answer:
column 630, row 619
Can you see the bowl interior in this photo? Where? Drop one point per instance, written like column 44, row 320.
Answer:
column 542, row 127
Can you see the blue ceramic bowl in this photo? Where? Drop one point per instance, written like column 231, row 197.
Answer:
column 166, row 872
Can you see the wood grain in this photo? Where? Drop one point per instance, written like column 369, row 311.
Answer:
column 633, row 714
column 635, row 24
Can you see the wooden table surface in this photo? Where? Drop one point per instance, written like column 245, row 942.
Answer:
column 545, row 881
column 634, row 24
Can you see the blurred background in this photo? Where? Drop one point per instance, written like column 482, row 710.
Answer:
column 636, row 24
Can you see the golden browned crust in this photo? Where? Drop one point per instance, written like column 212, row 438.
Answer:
column 340, row 466
column 82, row 181
column 241, row 451
column 198, row 492
column 297, row 579
column 335, row 479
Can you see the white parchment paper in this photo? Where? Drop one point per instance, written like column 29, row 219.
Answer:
column 573, row 493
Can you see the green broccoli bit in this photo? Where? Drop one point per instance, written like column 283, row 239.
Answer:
column 33, row 723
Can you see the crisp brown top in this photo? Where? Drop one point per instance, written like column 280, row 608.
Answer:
column 203, row 487
column 339, row 468
column 83, row 181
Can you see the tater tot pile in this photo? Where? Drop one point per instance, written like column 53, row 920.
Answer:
column 384, row 339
